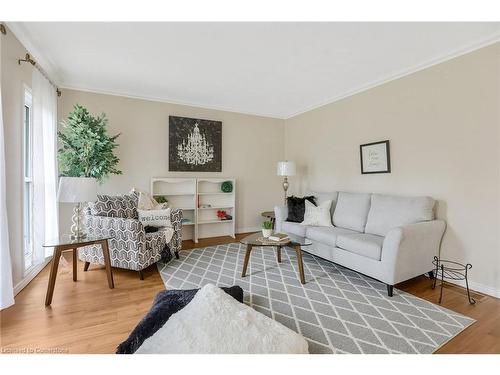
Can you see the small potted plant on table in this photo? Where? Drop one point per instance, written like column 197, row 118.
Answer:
column 267, row 228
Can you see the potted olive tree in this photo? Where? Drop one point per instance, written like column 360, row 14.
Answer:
column 85, row 157
column 86, row 148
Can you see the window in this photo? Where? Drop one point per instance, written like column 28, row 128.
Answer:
column 28, row 182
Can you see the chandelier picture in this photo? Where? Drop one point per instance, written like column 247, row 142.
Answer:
column 195, row 145
column 195, row 150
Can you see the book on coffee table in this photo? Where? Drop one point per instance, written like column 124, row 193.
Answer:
column 278, row 237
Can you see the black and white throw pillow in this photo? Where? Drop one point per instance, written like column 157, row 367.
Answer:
column 296, row 207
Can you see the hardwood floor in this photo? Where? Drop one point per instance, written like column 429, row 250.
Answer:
column 88, row 317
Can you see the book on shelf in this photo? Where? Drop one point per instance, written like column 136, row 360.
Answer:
column 278, row 237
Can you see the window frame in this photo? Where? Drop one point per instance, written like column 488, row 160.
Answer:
column 28, row 232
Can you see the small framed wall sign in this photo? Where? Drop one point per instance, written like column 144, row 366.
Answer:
column 375, row 157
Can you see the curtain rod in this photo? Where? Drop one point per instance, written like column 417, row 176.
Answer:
column 28, row 59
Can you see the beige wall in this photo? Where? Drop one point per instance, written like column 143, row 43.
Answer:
column 14, row 77
column 443, row 125
column 251, row 147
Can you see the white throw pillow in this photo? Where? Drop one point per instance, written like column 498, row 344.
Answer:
column 155, row 218
column 214, row 322
column 318, row 216
column 147, row 202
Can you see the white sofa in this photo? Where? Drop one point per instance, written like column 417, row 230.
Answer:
column 390, row 238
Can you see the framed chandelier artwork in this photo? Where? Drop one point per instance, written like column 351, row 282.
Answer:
column 195, row 145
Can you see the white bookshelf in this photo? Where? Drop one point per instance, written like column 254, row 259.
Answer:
column 181, row 193
column 209, row 193
column 199, row 199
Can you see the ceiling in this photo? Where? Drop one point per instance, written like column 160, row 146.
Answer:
column 270, row 69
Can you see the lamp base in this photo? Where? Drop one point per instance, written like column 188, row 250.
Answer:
column 77, row 231
column 285, row 186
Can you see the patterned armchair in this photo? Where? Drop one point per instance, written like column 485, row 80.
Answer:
column 130, row 246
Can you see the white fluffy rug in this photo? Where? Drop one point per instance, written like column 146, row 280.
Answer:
column 215, row 323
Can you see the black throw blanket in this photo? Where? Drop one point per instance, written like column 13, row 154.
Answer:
column 165, row 304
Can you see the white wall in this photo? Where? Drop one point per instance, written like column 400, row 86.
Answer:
column 251, row 147
column 443, row 125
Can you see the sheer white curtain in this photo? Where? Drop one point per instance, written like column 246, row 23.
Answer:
column 45, row 214
column 6, row 289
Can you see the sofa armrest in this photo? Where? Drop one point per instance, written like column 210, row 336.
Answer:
column 120, row 229
column 175, row 243
column 408, row 250
column 280, row 215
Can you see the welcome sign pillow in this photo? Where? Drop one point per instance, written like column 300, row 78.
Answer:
column 155, row 218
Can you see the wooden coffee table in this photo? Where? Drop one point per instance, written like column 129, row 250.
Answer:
column 296, row 242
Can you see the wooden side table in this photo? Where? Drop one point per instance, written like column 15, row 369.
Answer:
column 65, row 243
column 269, row 215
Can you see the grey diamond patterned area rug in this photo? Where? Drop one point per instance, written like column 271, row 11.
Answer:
column 337, row 310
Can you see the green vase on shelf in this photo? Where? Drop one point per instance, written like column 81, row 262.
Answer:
column 226, row 187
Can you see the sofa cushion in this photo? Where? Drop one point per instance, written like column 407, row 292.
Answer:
column 322, row 197
column 389, row 211
column 326, row 235
column 367, row 245
column 296, row 208
column 294, row 228
column 351, row 211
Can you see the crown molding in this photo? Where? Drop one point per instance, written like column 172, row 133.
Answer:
column 449, row 55
column 169, row 101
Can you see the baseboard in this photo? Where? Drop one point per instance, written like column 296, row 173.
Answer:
column 476, row 287
column 30, row 276
column 247, row 229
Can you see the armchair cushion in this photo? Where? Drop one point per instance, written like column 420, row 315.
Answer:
column 124, row 206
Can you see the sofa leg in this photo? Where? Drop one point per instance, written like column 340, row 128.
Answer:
column 141, row 275
column 176, row 255
column 390, row 290
column 431, row 275
column 86, row 266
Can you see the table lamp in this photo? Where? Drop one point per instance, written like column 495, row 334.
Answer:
column 77, row 190
column 286, row 168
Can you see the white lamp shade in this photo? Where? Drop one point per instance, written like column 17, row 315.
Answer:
column 77, row 189
column 286, row 168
